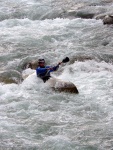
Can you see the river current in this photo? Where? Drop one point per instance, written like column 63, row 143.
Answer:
column 32, row 116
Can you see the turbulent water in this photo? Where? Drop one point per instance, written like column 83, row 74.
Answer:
column 32, row 116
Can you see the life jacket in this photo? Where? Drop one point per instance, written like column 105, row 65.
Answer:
column 44, row 73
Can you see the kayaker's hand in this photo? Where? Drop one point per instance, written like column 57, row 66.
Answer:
column 59, row 63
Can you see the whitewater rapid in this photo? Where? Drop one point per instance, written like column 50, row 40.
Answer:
column 32, row 116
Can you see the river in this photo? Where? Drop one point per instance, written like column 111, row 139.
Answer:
column 32, row 116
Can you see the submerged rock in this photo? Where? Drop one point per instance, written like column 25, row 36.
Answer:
column 11, row 76
column 108, row 19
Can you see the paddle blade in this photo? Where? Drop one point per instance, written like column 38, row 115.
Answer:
column 65, row 60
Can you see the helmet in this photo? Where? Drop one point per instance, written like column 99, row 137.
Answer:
column 41, row 61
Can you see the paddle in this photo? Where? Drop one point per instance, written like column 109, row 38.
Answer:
column 65, row 60
column 55, row 67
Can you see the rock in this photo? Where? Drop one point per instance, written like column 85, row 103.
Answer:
column 11, row 76
column 62, row 86
column 85, row 15
column 105, row 43
column 108, row 19
column 32, row 65
column 100, row 16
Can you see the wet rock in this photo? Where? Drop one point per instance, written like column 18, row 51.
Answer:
column 62, row 86
column 85, row 15
column 105, row 43
column 107, row 1
column 100, row 16
column 86, row 11
column 80, row 58
column 32, row 65
column 91, row 10
column 72, row 89
column 108, row 19
column 80, row 14
column 11, row 76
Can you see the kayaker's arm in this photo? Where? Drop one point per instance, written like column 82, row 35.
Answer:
column 55, row 68
column 44, row 71
column 41, row 71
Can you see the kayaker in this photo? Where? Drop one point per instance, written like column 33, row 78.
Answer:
column 44, row 71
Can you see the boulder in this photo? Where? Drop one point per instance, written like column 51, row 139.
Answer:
column 32, row 65
column 108, row 19
column 11, row 76
column 62, row 86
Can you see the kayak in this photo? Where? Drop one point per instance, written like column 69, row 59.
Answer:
column 53, row 83
column 61, row 85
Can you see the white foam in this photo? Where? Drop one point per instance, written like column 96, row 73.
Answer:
column 90, row 76
column 55, row 117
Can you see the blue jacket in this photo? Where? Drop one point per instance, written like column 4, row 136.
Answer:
column 44, row 73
